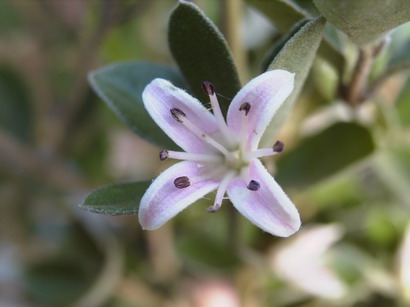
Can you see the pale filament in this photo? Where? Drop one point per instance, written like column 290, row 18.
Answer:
column 198, row 132
column 221, row 191
column 244, row 131
column 181, row 155
column 263, row 152
column 220, row 118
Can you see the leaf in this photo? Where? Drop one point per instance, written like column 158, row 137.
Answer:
column 202, row 53
column 285, row 15
column 365, row 21
column 116, row 199
column 198, row 249
column 324, row 154
column 121, row 85
column 280, row 43
column 296, row 56
column 56, row 282
column 15, row 114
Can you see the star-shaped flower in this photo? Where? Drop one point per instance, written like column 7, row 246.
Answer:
column 219, row 155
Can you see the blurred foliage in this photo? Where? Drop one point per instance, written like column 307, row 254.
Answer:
column 346, row 161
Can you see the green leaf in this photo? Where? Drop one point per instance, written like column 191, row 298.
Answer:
column 296, row 56
column 365, row 21
column 15, row 114
column 121, row 85
column 324, row 154
column 202, row 53
column 280, row 43
column 116, row 199
column 56, row 282
column 403, row 105
column 200, row 249
column 285, row 15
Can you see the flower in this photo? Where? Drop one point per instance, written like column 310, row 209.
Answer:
column 302, row 262
column 219, row 155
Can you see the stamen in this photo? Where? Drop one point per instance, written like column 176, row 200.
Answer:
column 221, row 192
column 182, row 182
column 278, row 146
column 199, row 133
column 253, row 185
column 246, row 106
column 177, row 114
column 266, row 152
column 163, row 155
column 209, row 89
column 181, row 155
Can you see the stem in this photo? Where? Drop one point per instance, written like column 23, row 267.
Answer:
column 379, row 82
column 232, row 17
column 234, row 228
column 355, row 92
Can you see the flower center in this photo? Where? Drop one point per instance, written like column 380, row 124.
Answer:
column 231, row 157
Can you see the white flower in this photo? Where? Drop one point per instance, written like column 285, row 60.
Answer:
column 219, row 155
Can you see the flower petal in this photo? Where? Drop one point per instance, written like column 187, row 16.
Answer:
column 268, row 207
column 160, row 96
column 163, row 200
column 265, row 94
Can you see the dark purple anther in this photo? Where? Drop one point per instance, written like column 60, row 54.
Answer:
column 176, row 114
column 278, row 146
column 182, row 182
column 208, row 88
column 253, row 185
column 246, row 106
column 163, row 155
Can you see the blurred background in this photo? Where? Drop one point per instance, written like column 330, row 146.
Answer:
column 346, row 169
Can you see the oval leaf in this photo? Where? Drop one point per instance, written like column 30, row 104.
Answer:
column 324, row 154
column 365, row 21
column 15, row 106
column 202, row 53
column 121, row 85
column 296, row 56
column 283, row 14
column 116, row 199
column 286, row 15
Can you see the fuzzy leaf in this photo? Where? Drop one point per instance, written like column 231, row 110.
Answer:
column 365, row 21
column 286, row 15
column 324, row 154
column 116, row 199
column 296, row 56
column 201, row 52
column 15, row 106
column 121, row 85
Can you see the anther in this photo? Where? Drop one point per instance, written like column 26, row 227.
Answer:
column 176, row 114
column 214, row 208
column 246, row 106
column 253, row 185
column 163, row 155
column 278, row 146
column 182, row 182
column 208, row 88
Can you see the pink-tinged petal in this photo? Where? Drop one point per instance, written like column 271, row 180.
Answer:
column 267, row 207
column 163, row 200
column 265, row 94
column 160, row 96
